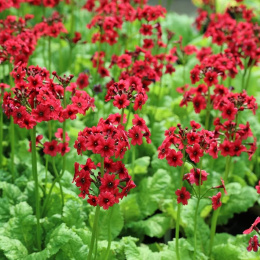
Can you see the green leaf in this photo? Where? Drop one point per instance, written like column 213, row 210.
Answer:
column 22, row 224
column 130, row 248
column 155, row 226
column 73, row 214
column 11, row 192
column 140, row 165
column 12, row 248
column 64, row 239
column 112, row 217
column 239, row 200
column 4, row 210
column 185, row 248
column 130, row 208
column 152, row 191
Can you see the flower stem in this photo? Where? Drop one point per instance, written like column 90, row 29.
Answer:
column 216, row 212
column 248, row 77
column 133, row 162
column 36, row 188
column 109, row 234
column 94, row 232
column 95, row 225
column 1, row 133
column 122, row 116
column 177, row 230
column 12, row 138
column 196, row 218
column 58, row 177
column 49, row 53
column 208, row 111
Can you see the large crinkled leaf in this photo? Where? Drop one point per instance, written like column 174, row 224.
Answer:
column 152, row 191
column 12, row 248
column 112, row 217
column 11, row 192
column 130, row 208
column 155, row 226
column 140, row 165
column 66, row 240
column 239, row 199
column 22, row 225
column 228, row 247
column 73, row 214
column 4, row 210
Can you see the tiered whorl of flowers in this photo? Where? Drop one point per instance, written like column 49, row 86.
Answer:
column 108, row 139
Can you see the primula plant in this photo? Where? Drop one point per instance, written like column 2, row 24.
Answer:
column 128, row 131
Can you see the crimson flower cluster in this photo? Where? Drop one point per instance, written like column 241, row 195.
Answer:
column 108, row 138
column 111, row 15
column 57, row 146
column 17, row 40
column 37, row 98
column 104, row 190
column 51, row 26
column 127, row 91
column 181, row 142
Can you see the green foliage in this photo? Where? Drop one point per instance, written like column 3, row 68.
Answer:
column 239, row 199
column 21, row 225
column 140, row 165
column 13, row 249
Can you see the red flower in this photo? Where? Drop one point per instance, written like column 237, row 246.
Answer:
column 183, row 196
column 238, row 147
column 226, row 148
column 253, row 226
column 51, row 148
column 211, row 78
column 59, row 135
column 124, row 61
column 146, row 29
column 106, row 199
column 192, row 138
column 92, row 200
column 199, row 103
column 136, row 135
column 195, row 75
column 109, row 183
column 253, row 244
column 258, row 187
column 216, row 203
column 194, row 176
column 174, row 158
column 221, row 186
column 229, row 111
column 82, row 80
column 64, row 148
column 121, row 101
column 195, row 152
column 106, row 147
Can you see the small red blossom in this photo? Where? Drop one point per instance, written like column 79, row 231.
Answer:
column 216, row 202
column 183, row 196
column 51, row 148
column 253, row 244
column 258, row 187
column 106, row 199
column 174, row 158
column 195, row 152
column 253, row 226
